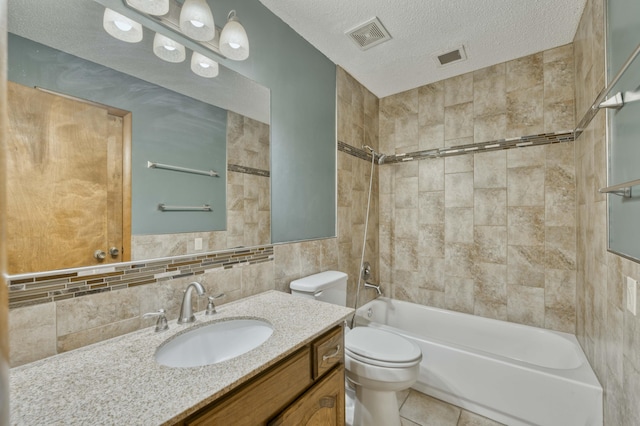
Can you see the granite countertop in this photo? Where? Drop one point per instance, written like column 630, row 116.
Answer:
column 118, row 381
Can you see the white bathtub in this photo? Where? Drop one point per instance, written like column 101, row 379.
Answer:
column 512, row 373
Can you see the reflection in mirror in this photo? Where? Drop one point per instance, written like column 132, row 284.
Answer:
column 167, row 115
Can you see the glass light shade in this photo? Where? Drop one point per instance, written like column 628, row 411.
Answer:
column 152, row 7
column 234, row 43
column 121, row 27
column 203, row 66
column 196, row 20
column 167, row 49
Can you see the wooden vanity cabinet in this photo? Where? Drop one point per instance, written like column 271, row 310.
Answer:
column 305, row 388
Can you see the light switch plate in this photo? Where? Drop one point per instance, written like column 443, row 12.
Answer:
column 198, row 244
column 632, row 286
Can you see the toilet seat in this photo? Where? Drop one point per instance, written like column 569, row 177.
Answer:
column 381, row 348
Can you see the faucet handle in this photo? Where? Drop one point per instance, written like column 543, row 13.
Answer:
column 211, row 307
column 161, row 324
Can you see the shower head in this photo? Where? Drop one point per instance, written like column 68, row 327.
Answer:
column 380, row 157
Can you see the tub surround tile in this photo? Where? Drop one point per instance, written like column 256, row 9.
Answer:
column 458, row 121
column 458, row 190
column 526, row 186
column 459, row 294
column 490, row 206
column 526, row 226
column 489, row 91
column 458, row 90
column 458, row 225
column 490, row 170
column 431, row 175
column 525, row 112
column 525, row 72
column 525, row 305
column 431, row 103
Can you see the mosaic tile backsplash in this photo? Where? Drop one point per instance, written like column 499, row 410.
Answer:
column 85, row 281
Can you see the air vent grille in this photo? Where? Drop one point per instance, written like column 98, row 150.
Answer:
column 369, row 34
column 446, row 58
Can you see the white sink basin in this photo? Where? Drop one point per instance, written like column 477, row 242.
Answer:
column 213, row 343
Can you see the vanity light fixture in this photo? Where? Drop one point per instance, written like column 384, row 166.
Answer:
column 167, row 49
column 196, row 20
column 234, row 42
column 121, row 27
column 203, row 66
column 151, row 7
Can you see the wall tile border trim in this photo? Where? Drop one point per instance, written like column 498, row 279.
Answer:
column 37, row 288
column 494, row 145
column 248, row 170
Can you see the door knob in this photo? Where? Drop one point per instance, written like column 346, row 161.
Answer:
column 113, row 251
column 99, row 254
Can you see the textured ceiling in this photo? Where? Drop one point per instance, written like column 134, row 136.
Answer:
column 492, row 31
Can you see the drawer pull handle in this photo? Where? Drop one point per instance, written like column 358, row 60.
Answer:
column 333, row 355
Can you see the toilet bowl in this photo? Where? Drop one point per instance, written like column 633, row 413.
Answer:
column 377, row 363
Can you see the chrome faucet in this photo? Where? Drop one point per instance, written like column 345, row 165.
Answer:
column 186, row 311
column 373, row 286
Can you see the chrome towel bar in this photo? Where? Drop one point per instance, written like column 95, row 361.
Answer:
column 152, row 165
column 166, row 208
column 622, row 189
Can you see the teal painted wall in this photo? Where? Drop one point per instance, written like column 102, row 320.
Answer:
column 168, row 128
column 303, row 120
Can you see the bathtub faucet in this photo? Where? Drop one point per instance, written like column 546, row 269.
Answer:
column 376, row 287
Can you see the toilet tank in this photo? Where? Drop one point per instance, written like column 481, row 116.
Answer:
column 328, row 286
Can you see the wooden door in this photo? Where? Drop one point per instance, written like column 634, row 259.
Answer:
column 65, row 182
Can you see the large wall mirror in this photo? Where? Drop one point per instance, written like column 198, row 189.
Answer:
column 89, row 113
column 623, row 41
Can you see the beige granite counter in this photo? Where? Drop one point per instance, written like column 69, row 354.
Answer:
column 119, row 382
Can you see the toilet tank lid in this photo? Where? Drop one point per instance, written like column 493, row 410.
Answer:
column 318, row 282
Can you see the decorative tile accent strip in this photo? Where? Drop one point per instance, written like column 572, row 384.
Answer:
column 248, row 170
column 33, row 289
column 356, row 152
column 495, row 145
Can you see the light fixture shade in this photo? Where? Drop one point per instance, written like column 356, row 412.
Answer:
column 234, row 43
column 152, row 7
column 203, row 66
column 167, row 49
column 196, row 20
column 121, row 27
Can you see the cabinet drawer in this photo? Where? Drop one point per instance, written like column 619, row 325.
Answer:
column 328, row 351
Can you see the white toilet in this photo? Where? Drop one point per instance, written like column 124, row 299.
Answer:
column 377, row 362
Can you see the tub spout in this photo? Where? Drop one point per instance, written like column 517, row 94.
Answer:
column 373, row 286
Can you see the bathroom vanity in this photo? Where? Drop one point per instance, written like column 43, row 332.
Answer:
column 295, row 377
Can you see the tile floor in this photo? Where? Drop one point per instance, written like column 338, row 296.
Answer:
column 418, row 409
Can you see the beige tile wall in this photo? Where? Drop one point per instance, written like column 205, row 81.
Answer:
column 609, row 334
column 492, row 234
column 357, row 126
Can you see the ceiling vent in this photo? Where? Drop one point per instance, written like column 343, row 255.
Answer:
column 369, row 34
column 450, row 57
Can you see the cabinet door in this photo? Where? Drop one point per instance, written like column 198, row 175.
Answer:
column 322, row 405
